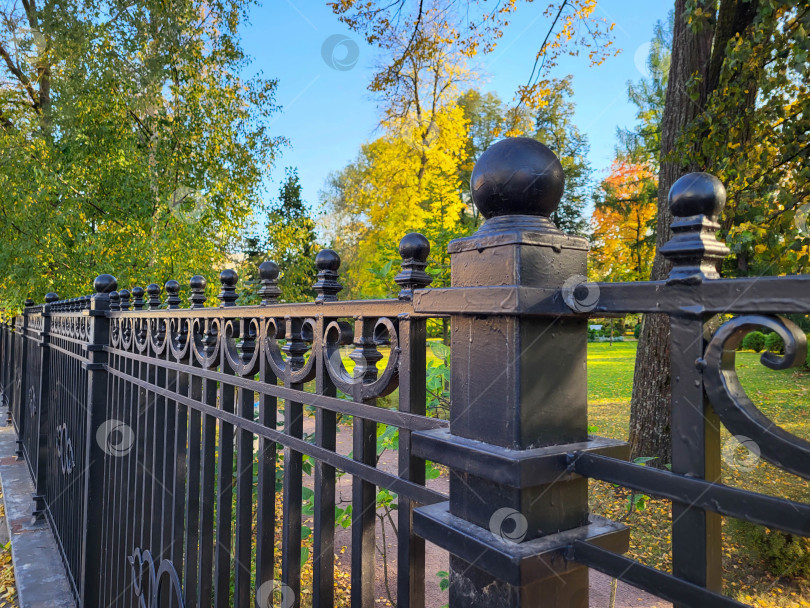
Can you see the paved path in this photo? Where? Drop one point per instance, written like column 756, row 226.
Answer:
column 38, row 569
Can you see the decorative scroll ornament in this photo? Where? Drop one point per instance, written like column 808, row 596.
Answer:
column 735, row 410
column 243, row 356
column 296, row 368
column 32, row 401
column 64, row 450
column 364, row 382
column 155, row 588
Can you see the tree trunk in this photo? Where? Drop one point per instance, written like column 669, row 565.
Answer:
column 650, row 404
column 694, row 53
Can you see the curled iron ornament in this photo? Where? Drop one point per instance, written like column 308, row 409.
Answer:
column 179, row 337
column 728, row 398
column 337, row 335
column 151, row 594
column 294, row 369
column 140, row 331
column 32, row 401
column 64, row 450
column 158, row 336
column 244, row 357
column 206, row 335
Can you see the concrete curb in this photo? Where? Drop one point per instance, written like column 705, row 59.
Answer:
column 39, row 573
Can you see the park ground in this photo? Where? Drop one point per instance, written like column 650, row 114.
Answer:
column 783, row 396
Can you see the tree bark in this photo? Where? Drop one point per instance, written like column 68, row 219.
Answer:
column 650, row 404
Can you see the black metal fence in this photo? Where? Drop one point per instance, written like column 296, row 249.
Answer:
column 153, row 436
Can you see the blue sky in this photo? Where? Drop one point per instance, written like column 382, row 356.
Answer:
column 328, row 113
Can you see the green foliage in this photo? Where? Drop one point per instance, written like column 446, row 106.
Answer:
column 774, row 343
column 438, row 381
column 783, row 555
column 290, row 234
column 754, row 341
column 130, row 143
column 752, row 132
column 637, row 330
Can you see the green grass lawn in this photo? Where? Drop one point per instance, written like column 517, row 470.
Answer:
column 783, row 396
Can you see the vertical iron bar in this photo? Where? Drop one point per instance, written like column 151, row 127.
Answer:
column 696, row 534
column 222, row 582
column 412, row 395
column 324, row 520
column 266, row 490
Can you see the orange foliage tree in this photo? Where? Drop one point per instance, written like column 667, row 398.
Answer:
column 623, row 223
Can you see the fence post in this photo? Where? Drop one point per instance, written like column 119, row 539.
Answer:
column 518, row 387
column 98, row 338
column 41, row 473
column 21, row 393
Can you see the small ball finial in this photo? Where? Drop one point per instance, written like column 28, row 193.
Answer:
column 51, row 297
column 327, row 260
column 228, row 279
column 137, row 295
column 124, row 293
column 105, row 283
column 414, row 249
column 197, row 284
column 327, row 286
column 414, row 246
column 269, row 271
column 696, row 200
column 517, row 176
column 172, row 289
column 28, row 302
column 153, row 291
column 115, row 301
column 697, row 194
column 269, row 291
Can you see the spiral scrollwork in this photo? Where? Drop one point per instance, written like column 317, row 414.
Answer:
column 365, row 382
column 733, row 406
column 155, row 587
column 32, row 401
column 64, row 450
column 179, row 337
column 299, row 335
column 243, row 356
column 206, row 339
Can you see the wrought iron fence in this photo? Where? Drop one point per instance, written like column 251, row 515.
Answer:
column 153, row 436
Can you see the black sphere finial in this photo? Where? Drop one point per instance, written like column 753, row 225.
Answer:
column 269, row 291
column 696, row 201
column 105, row 283
column 51, row 297
column 697, row 194
column 28, row 302
column 414, row 249
column 172, row 289
column 197, row 284
column 115, row 300
column 125, row 304
column 153, row 291
column 327, row 287
column 227, row 280
column 137, row 295
column 517, row 176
